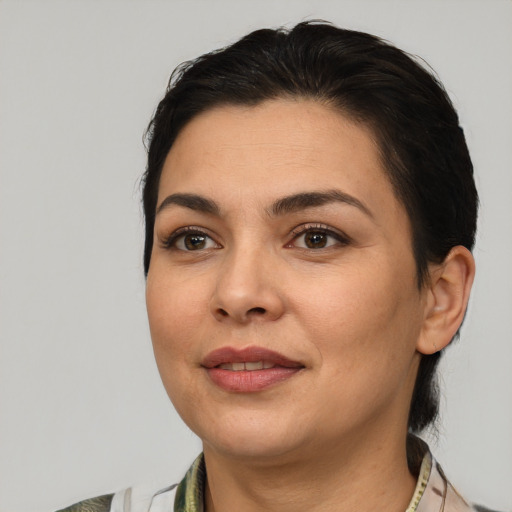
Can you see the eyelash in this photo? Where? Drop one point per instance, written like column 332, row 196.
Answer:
column 342, row 239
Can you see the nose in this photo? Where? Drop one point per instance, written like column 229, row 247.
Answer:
column 247, row 289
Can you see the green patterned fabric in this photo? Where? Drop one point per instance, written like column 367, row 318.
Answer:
column 98, row 504
column 190, row 491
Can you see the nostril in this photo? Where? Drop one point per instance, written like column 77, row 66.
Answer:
column 223, row 312
column 259, row 311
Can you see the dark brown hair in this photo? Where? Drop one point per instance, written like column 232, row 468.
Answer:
column 422, row 146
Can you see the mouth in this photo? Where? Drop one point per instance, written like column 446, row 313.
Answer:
column 248, row 370
column 248, row 366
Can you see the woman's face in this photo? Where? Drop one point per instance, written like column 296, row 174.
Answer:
column 282, row 293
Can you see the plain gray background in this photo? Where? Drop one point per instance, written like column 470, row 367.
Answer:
column 82, row 410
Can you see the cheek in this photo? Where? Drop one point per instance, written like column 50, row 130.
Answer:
column 365, row 341
column 363, row 319
column 173, row 324
column 173, row 308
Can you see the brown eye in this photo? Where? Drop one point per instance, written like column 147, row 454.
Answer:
column 315, row 240
column 318, row 238
column 190, row 241
column 194, row 242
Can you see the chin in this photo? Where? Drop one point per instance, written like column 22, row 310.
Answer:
column 247, row 438
column 250, row 448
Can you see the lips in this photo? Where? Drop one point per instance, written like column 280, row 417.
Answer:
column 248, row 370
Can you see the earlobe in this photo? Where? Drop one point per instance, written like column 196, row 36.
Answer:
column 447, row 299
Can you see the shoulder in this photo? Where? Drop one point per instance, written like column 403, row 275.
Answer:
column 141, row 498
column 455, row 502
column 434, row 492
column 98, row 504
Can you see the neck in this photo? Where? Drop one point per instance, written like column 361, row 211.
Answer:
column 359, row 475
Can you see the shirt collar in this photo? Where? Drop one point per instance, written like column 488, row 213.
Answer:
column 422, row 482
column 190, row 491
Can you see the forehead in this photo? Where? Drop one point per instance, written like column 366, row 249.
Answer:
column 276, row 148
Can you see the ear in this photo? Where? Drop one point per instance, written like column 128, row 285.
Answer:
column 447, row 296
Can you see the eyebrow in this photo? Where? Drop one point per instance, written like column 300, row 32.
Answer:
column 282, row 206
column 304, row 200
column 191, row 201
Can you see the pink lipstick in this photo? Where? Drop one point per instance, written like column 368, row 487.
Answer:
column 248, row 370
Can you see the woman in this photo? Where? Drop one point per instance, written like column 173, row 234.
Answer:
column 310, row 211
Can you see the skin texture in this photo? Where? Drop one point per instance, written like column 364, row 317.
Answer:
column 348, row 309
